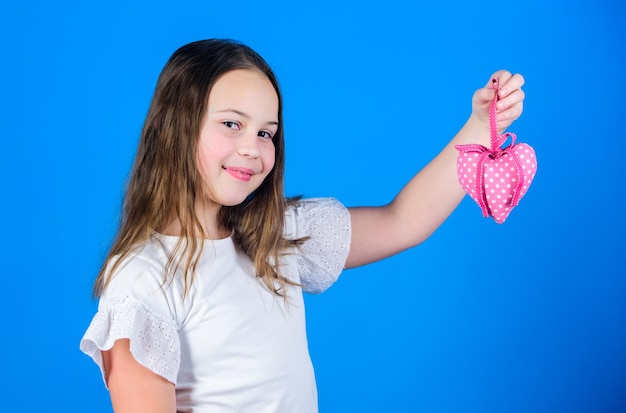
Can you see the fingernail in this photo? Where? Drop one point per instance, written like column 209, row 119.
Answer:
column 503, row 92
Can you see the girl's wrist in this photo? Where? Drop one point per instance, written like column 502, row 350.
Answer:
column 474, row 131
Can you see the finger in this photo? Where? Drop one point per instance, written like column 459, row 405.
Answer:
column 511, row 100
column 510, row 84
column 484, row 95
column 501, row 76
column 510, row 113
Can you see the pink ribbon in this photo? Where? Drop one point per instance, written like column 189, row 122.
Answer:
column 496, row 151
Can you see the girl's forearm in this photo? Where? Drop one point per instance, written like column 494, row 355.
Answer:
column 417, row 211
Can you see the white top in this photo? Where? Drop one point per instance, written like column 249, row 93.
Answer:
column 231, row 345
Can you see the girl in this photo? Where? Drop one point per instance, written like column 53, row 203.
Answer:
column 201, row 306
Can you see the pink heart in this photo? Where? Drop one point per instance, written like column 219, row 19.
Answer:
column 501, row 178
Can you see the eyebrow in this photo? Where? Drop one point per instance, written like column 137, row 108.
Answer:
column 243, row 114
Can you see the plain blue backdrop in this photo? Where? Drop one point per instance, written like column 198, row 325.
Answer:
column 528, row 316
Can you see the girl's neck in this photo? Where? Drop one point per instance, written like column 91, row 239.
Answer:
column 210, row 226
column 174, row 229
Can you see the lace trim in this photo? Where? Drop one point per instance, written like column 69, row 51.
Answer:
column 323, row 256
column 154, row 342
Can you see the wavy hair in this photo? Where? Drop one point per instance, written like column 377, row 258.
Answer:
column 164, row 182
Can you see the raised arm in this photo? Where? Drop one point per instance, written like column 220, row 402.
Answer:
column 431, row 195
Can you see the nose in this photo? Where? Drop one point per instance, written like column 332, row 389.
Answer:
column 249, row 146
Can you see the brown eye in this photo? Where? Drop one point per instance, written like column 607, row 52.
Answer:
column 230, row 124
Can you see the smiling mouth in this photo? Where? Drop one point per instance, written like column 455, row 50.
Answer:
column 242, row 174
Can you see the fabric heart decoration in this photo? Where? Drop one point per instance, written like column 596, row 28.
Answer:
column 496, row 178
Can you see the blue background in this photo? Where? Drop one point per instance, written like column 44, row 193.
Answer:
column 528, row 316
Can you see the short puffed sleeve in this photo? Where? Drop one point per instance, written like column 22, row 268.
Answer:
column 137, row 306
column 325, row 223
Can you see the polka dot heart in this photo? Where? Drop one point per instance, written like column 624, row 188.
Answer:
column 505, row 178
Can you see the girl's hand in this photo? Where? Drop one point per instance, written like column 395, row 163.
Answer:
column 509, row 106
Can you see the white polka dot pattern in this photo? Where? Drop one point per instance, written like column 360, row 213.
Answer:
column 506, row 177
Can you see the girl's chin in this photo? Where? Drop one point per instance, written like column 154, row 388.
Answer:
column 235, row 201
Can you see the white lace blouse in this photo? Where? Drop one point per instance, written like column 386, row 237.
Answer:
column 230, row 345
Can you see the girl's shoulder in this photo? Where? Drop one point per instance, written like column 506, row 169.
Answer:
column 316, row 217
column 148, row 257
column 324, row 226
column 140, row 273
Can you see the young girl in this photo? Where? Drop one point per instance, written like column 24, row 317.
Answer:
column 201, row 306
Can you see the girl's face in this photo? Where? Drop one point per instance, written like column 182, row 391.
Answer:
column 236, row 150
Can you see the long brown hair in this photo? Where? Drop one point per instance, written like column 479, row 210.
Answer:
column 164, row 181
